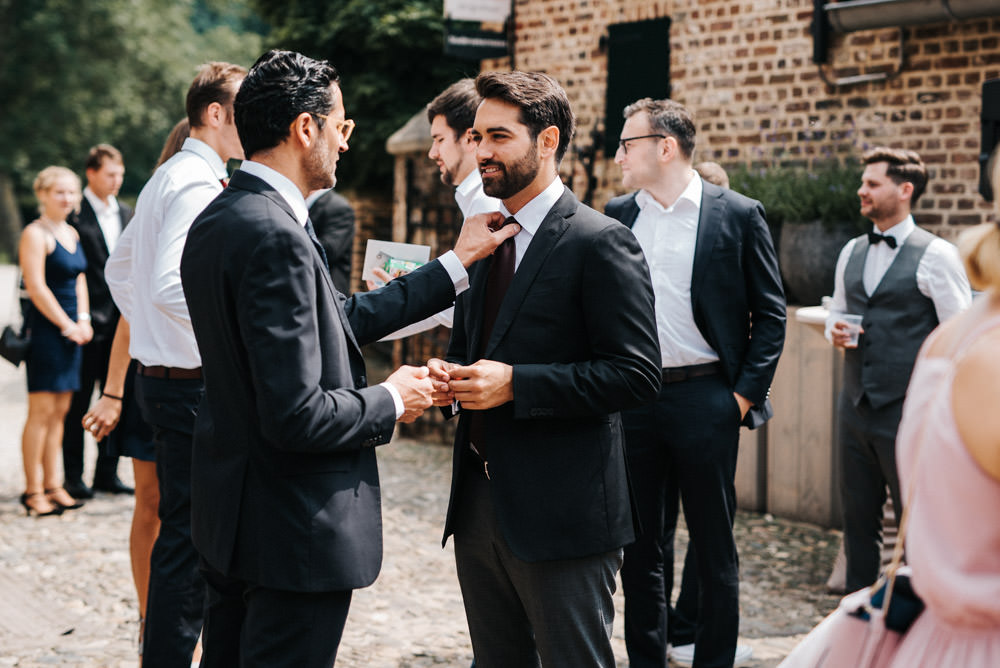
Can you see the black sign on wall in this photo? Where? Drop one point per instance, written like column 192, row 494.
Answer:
column 638, row 66
column 990, row 117
column 466, row 40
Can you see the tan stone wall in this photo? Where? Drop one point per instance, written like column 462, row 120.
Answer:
column 744, row 67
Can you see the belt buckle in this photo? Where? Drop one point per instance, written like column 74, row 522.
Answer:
column 486, row 464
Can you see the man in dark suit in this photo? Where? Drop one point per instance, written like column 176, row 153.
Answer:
column 284, row 491
column 100, row 222
column 333, row 219
column 720, row 314
column 540, row 505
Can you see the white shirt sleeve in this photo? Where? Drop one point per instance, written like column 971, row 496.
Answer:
column 182, row 207
column 941, row 278
column 838, row 304
column 396, row 399
column 118, row 272
column 460, row 277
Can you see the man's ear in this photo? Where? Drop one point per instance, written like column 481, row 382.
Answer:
column 906, row 191
column 303, row 130
column 214, row 115
column 548, row 141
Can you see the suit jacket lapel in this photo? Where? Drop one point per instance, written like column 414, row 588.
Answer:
column 244, row 181
column 88, row 226
column 710, row 217
column 553, row 226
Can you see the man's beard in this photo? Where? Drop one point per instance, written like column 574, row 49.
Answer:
column 320, row 166
column 515, row 176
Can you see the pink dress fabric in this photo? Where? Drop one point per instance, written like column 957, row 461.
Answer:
column 953, row 539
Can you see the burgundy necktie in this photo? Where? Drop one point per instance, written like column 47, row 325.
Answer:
column 224, row 182
column 497, row 282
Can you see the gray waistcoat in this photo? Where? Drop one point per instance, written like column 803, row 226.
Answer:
column 897, row 319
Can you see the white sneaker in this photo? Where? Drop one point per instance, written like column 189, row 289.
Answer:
column 683, row 655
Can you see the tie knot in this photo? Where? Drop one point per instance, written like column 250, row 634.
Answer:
column 876, row 238
column 508, row 221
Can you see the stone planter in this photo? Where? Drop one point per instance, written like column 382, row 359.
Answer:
column 807, row 255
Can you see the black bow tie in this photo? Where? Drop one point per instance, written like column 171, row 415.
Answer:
column 875, row 237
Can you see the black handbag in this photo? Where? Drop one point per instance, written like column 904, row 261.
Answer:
column 14, row 345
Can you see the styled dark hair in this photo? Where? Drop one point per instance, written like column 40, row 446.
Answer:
column 669, row 118
column 542, row 101
column 903, row 165
column 98, row 154
column 215, row 82
column 280, row 86
column 457, row 103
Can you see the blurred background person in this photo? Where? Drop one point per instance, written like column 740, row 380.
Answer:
column 99, row 223
column 53, row 265
column 948, row 453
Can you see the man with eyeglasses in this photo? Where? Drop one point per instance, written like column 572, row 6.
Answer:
column 720, row 315
column 284, row 492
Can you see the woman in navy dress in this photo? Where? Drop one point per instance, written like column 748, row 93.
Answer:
column 52, row 263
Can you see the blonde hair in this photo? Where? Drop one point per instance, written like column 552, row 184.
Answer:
column 47, row 178
column 174, row 141
column 980, row 246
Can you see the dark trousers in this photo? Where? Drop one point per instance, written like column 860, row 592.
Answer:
column 251, row 626
column 868, row 464
column 557, row 614
column 683, row 447
column 93, row 370
column 175, row 608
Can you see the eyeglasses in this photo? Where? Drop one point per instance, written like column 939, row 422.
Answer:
column 344, row 127
column 623, row 143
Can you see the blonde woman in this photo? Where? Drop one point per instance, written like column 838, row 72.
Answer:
column 52, row 263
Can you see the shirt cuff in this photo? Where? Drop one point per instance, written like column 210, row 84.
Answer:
column 459, row 276
column 397, row 398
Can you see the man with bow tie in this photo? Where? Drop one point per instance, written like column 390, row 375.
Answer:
column 903, row 281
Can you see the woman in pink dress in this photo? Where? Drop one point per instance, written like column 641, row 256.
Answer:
column 948, row 453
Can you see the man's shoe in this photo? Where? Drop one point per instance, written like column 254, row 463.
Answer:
column 113, row 486
column 683, row 655
column 78, row 489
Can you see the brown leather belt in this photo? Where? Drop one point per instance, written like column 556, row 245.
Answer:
column 678, row 373
column 168, row 372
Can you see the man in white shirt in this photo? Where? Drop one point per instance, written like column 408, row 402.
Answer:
column 99, row 223
column 285, row 491
column 451, row 115
column 903, row 281
column 720, row 316
column 143, row 274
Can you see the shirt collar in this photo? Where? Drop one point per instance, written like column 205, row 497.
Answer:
column 208, row 154
column 99, row 206
column 690, row 196
column 288, row 190
column 532, row 214
column 315, row 195
column 900, row 231
column 467, row 188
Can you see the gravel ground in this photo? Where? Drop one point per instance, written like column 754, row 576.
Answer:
column 67, row 599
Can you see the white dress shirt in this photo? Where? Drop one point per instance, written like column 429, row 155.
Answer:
column 531, row 215
column 471, row 200
column 668, row 237
column 940, row 274
column 108, row 217
column 143, row 272
column 293, row 196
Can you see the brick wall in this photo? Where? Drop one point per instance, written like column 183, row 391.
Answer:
column 744, row 67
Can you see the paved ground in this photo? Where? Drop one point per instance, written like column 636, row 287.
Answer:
column 66, row 595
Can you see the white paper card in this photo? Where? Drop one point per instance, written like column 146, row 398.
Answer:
column 394, row 255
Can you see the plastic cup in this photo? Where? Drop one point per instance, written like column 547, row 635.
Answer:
column 853, row 322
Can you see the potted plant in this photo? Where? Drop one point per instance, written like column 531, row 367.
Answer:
column 812, row 213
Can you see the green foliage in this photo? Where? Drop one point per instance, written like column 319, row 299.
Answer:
column 78, row 73
column 826, row 193
column 391, row 62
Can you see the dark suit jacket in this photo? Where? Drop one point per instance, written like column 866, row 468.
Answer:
column 736, row 294
column 333, row 220
column 103, row 312
column 577, row 326
column 284, row 488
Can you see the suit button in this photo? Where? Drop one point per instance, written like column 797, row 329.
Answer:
column 362, row 381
